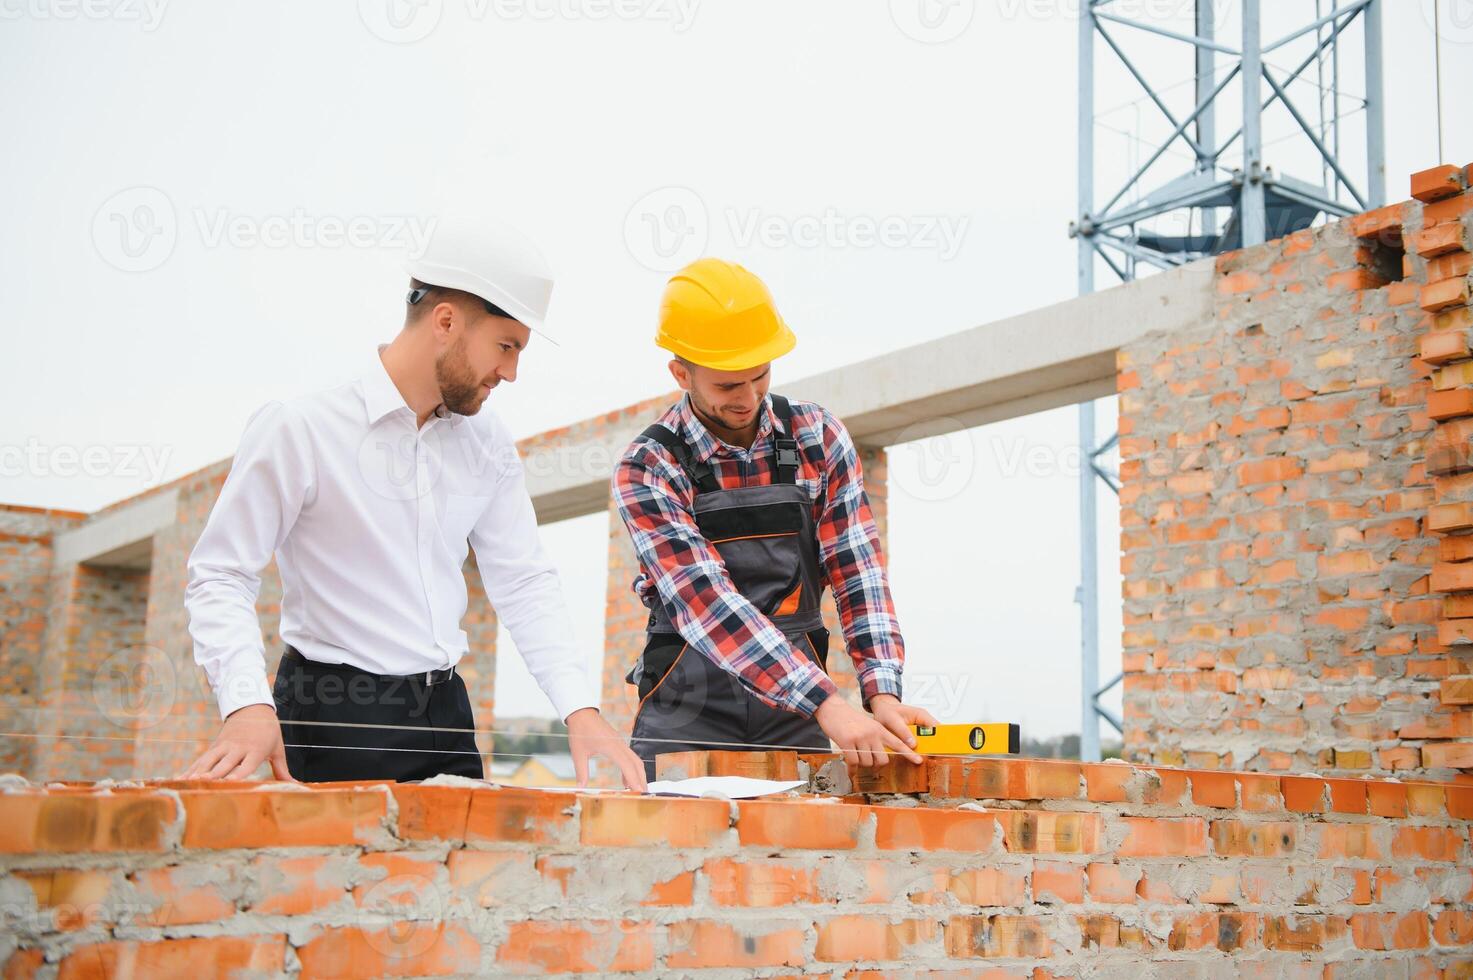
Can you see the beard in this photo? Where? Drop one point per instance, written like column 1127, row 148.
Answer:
column 460, row 389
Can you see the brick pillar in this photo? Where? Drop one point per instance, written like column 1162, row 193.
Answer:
column 25, row 578
column 1440, row 255
column 625, row 619
column 874, row 465
column 90, row 672
column 478, row 666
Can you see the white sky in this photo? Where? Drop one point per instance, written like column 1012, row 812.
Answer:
column 744, row 125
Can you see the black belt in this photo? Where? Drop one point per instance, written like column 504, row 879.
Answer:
column 429, row 678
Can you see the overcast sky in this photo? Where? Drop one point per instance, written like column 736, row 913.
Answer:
column 207, row 207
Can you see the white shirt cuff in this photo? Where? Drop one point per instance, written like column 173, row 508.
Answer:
column 237, row 690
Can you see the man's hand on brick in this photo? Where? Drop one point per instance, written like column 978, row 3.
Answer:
column 590, row 735
column 866, row 740
column 249, row 737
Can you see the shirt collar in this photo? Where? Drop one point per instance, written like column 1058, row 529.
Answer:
column 381, row 396
column 704, row 445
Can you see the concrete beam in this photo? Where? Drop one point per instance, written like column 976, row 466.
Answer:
column 120, row 539
column 1042, row 359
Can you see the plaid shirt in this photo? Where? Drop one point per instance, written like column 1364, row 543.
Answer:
column 655, row 497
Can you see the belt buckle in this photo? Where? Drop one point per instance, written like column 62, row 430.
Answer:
column 447, row 673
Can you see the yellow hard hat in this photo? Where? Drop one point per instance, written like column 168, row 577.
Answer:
column 719, row 315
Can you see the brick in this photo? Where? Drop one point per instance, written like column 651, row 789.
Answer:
column 53, row 824
column 760, row 884
column 1269, row 471
column 76, row 898
column 185, row 894
column 1058, row 883
column 1349, row 841
column 997, row 936
column 1046, row 832
column 1214, row 789
column 927, row 830
column 1112, row 883
column 1444, row 294
column 1452, row 265
column 1440, row 348
column 614, row 946
column 1452, row 755
column 1447, row 209
column 1456, row 690
column 1439, row 240
column 1301, row 933
column 899, row 776
column 1453, row 927
column 1389, row 930
column 1236, row 838
column 752, row 765
column 214, row 956
column 701, row 943
column 520, row 815
column 989, row 886
column 491, row 878
column 1161, row 837
column 295, row 885
column 1450, row 404
column 282, row 818
column 632, row 821
column 798, row 825
column 1437, row 183
column 862, row 937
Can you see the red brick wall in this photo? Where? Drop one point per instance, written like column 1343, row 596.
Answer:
column 988, row 868
column 1288, row 602
column 25, row 573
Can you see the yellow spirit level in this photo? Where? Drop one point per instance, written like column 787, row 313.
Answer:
column 999, row 738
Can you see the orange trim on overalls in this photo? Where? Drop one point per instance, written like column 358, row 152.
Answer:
column 789, row 606
column 660, row 681
column 754, row 537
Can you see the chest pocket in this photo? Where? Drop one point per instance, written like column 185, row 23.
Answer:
column 459, row 516
column 762, row 549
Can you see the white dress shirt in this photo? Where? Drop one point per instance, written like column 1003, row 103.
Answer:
column 369, row 518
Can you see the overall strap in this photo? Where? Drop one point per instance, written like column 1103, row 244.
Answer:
column 701, row 475
column 785, row 444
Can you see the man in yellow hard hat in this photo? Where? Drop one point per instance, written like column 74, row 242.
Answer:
column 743, row 506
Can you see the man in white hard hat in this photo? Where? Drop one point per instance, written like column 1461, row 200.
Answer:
column 368, row 495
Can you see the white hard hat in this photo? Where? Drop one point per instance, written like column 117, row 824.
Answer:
column 489, row 260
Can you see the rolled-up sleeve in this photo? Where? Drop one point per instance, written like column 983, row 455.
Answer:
column 271, row 477
column 524, row 587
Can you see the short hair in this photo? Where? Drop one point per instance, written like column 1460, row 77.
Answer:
column 421, row 291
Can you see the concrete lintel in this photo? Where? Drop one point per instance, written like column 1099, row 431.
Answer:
column 1058, row 355
column 121, row 537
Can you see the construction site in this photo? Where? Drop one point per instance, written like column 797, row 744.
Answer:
column 1292, row 362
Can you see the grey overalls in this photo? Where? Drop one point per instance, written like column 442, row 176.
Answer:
column 768, row 542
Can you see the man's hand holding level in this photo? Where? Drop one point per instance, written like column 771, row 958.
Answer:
column 866, row 740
